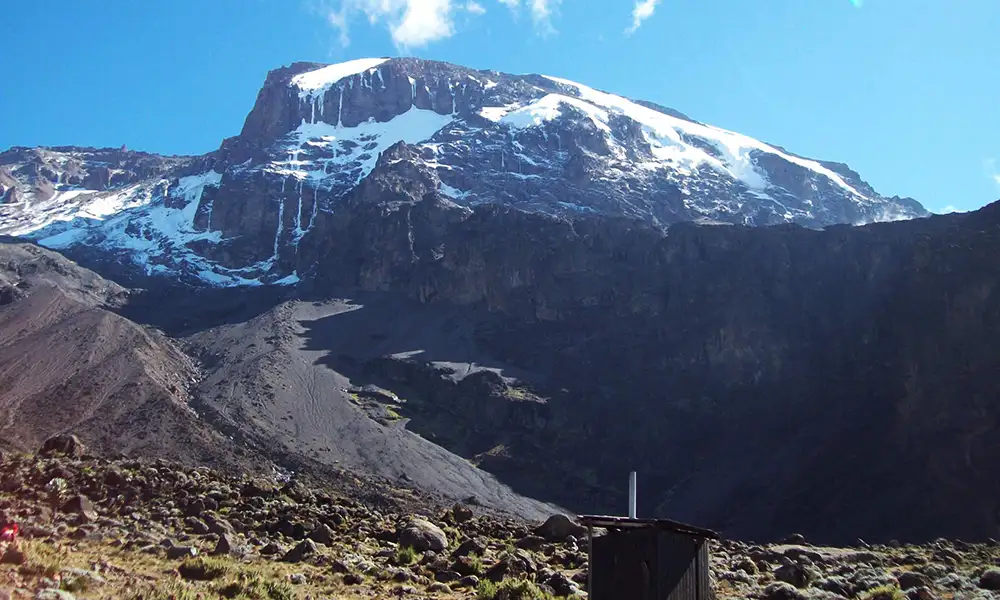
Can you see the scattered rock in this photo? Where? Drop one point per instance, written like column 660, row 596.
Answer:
column 559, row 527
column 920, row 593
column 795, row 574
column 54, row 594
column 470, row 546
column 176, row 552
column 353, row 579
column 300, row 552
column 223, row 547
column 780, row 590
column 270, row 548
column 422, row 535
column 747, row 566
column 990, row 579
column 531, row 542
column 82, row 507
column 197, row 526
column 322, row 534
column 461, row 513
column 469, row 581
column 62, row 445
column 561, row 585
column 13, row 556
column 912, row 579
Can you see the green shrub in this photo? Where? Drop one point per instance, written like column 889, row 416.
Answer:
column 405, row 555
column 203, row 568
column 253, row 586
column 166, row 591
column 510, row 589
column 476, row 564
column 884, row 592
column 40, row 560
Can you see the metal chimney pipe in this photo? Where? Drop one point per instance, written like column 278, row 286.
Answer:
column 631, row 495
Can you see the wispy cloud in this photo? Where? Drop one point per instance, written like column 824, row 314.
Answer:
column 642, row 11
column 990, row 165
column 542, row 12
column 417, row 23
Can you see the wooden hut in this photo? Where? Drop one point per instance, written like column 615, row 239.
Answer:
column 648, row 559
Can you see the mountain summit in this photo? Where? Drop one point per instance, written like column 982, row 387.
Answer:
column 319, row 136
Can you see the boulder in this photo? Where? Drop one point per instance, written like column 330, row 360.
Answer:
column 781, row 590
column 176, row 552
column 422, row 535
column 322, row 534
column 559, row 527
column 64, row 444
column 300, row 551
column 990, row 579
column 82, row 507
column 461, row 513
column 912, row 579
column 795, row 574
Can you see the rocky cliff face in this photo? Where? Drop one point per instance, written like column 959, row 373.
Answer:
column 762, row 380
column 240, row 215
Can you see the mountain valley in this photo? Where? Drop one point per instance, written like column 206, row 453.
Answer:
column 511, row 290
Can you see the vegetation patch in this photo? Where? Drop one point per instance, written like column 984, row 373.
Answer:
column 510, row 589
column 203, row 568
column 884, row 592
column 405, row 555
column 253, row 586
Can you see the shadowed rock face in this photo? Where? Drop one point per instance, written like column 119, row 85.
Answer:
column 761, row 380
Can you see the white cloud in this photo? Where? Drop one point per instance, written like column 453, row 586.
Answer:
column 412, row 23
column 642, row 11
column 951, row 208
column 541, row 12
column 338, row 19
column 417, row 23
column 990, row 164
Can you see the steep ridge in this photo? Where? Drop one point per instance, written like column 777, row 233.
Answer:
column 68, row 363
column 238, row 216
column 246, row 396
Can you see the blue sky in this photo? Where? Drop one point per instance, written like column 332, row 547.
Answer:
column 904, row 91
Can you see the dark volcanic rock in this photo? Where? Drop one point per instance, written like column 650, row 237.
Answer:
column 62, row 445
column 422, row 535
column 559, row 527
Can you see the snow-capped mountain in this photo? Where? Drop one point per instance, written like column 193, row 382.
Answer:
column 317, row 135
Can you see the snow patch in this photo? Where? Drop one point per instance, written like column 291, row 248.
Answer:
column 70, row 237
column 289, row 279
column 495, row 113
column 451, row 192
column 665, row 134
column 316, row 83
column 550, row 107
column 359, row 145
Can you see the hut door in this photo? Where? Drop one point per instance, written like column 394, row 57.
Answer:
column 645, row 580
